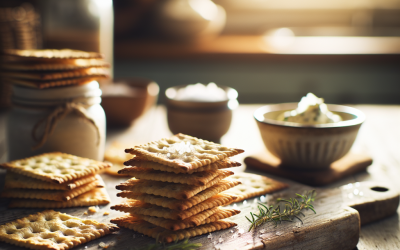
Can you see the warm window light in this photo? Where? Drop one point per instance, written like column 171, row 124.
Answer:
column 279, row 38
column 206, row 8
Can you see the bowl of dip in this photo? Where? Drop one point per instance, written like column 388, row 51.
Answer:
column 199, row 110
column 309, row 135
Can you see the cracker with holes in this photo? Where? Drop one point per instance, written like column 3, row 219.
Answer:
column 94, row 197
column 142, row 208
column 168, row 236
column 254, row 185
column 55, row 167
column 53, row 195
column 70, row 64
column 204, row 217
column 53, row 230
column 14, row 180
column 184, row 204
column 183, row 151
column 116, row 155
column 136, row 162
column 42, row 55
column 167, row 189
column 195, row 179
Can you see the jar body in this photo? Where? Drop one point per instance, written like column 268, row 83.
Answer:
column 73, row 134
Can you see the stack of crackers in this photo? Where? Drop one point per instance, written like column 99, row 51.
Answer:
column 54, row 180
column 177, row 189
column 51, row 68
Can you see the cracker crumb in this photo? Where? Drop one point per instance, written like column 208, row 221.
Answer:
column 92, row 210
column 106, row 213
column 103, row 245
column 85, row 213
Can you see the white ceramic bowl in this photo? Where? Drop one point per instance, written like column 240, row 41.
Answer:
column 310, row 147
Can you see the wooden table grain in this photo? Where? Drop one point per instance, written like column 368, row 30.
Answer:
column 379, row 137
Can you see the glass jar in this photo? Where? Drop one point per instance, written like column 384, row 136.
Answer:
column 65, row 119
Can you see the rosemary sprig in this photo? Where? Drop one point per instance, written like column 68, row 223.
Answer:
column 292, row 210
column 183, row 245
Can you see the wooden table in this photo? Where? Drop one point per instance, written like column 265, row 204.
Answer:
column 379, row 137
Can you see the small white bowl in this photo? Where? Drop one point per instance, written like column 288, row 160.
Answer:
column 311, row 147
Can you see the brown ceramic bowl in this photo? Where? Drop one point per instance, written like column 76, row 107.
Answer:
column 311, row 147
column 208, row 120
column 125, row 100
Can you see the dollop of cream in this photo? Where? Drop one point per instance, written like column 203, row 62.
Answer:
column 311, row 110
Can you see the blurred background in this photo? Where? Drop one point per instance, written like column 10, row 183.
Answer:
column 270, row 51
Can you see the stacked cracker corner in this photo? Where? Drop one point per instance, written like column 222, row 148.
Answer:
column 176, row 191
column 50, row 68
column 54, row 180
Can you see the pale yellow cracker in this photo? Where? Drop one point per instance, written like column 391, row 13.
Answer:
column 137, row 162
column 52, row 195
column 170, row 190
column 94, row 197
column 14, row 180
column 181, row 204
column 56, row 75
column 139, row 207
column 67, row 65
column 207, row 216
column 167, row 236
column 254, row 185
column 52, row 54
column 115, row 154
column 53, row 83
column 196, row 179
column 183, row 151
column 55, row 167
column 53, row 230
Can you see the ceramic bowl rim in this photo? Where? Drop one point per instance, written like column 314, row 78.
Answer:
column 259, row 116
column 225, row 88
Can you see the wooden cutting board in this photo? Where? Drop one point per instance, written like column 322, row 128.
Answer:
column 335, row 226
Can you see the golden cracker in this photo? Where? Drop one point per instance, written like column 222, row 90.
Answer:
column 254, row 185
column 183, row 151
column 52, row 54
column 170, row 190
column 94, row 197
column 195, row 179
column 204, row 217
column 136, row 162
column 56, row 75
column 53, row 195
column 55, row 167
column 14, row 180
column 168, row 236
column 67, row 65
column 139, row 207
column 53, row 230
column 53, row 83
column 184, row 204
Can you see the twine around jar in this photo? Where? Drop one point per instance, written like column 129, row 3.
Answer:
column 58, row 113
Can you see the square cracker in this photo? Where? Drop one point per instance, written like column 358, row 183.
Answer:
column 94, row 197
column 56, row 75
column 53, row 230
column 168, row 236
column 137, row 162
column 254, row 185
column 55, row 167
column 53, row 195
column 183, row 151
column 195, row 179
column 14, row 180
column 139, row 207
column 70, row 64
column 204, row 217
column 53, row 83
column 51, row 54
column 167, row 189
column 184, row 204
